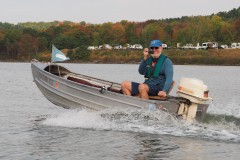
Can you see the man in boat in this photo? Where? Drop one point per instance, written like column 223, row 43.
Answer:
column 157, row 70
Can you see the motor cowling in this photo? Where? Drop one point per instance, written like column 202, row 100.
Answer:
column 196, row 92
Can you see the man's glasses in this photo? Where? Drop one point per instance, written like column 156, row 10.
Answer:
column 154, row 47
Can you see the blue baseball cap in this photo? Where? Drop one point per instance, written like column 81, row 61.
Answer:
column 155, row 43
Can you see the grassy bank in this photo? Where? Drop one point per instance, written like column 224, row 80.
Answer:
column 198, row 57
column 205, row 57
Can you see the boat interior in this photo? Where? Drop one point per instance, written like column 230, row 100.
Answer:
column 90, row 81
column 83, row 79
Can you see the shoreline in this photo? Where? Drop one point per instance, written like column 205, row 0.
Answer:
column 80, row 62
column 214, row 57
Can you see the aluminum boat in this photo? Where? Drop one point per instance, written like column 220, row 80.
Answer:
column 71, row 90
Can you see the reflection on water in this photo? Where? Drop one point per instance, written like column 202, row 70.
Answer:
column 154, row 147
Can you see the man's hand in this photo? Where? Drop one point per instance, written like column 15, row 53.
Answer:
column 162, row 94
column 145, row 53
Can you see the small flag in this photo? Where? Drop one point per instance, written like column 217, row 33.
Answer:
column 57, row 55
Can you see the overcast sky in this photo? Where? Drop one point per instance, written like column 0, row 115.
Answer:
column 100, row 11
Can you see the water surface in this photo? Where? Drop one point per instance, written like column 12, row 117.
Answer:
column 34, row 128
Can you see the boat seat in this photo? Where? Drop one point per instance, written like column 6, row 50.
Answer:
column 78, row 80
column 163, row 98
column 114, row 90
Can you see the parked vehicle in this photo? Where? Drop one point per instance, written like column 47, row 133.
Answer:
column 137, row 46
column 178, row 45
column 235, row 45
column 224, row 46
column 107, row 46
column 91, row 48
column 210, row 45
column 118, row 47
column 188, row 46
column 165, row 46
column 199, row 46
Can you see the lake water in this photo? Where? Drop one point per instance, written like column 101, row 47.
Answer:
column 33, row 128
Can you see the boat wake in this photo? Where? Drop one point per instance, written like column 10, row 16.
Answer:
column 215, row 127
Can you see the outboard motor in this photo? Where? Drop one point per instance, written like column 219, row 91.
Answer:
column 196, row 92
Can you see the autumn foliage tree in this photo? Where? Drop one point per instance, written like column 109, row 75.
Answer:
column 24, row 40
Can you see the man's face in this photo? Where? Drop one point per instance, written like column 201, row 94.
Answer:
column 156, row 51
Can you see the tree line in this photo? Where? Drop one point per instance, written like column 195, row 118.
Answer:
column 24, row 41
